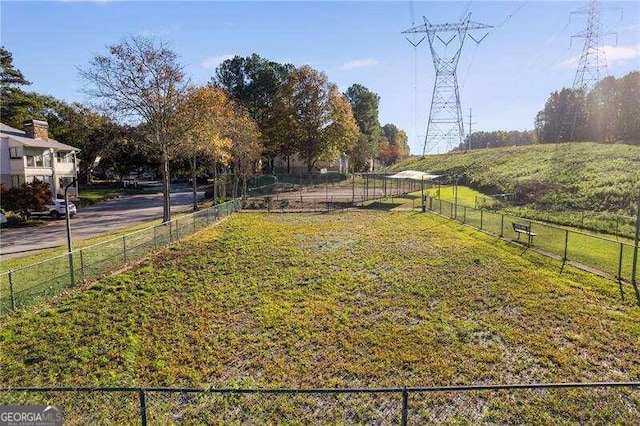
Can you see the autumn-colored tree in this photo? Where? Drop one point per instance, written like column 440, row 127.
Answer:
column 205, row 119
column 314, row 117
column 142, row 82
column 28, row 197
column 245, row 147
column 389, row 153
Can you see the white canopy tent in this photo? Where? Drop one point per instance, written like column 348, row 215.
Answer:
column 413, row 175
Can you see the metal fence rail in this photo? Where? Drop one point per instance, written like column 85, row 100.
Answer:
column 616, row 258
column 601, row 402
column 40, row 281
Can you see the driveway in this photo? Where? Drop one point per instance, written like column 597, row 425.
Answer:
column 93, row 221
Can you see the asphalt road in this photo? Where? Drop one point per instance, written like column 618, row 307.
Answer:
column 93, row 221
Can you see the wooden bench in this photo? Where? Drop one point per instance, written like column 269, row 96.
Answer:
column 523, row 228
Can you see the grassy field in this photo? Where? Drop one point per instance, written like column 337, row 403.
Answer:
column 335, row 300
column 559, row 182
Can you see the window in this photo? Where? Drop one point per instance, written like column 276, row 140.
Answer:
column 64, row 181
column 15, row 153
column 17, row 180
column 63, row 157
column 39, row 160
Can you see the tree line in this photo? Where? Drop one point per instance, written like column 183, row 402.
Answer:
column 147, row 113
column 607, row 113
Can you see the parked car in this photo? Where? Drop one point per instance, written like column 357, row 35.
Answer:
column 56, row 209
column 3, row 219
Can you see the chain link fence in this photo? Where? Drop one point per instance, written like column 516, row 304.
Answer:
column 616, row 258
column 40, row 281
column 580, row 403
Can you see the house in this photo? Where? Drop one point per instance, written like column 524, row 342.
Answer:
column 29, row 154
column 296, row 165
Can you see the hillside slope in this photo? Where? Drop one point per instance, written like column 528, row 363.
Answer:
column 576, row 176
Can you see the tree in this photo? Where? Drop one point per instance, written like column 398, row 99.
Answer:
column 205, row 117
column 388, row 153
column 142, row 82
column 10, row 77
column 17, row 105
column 315, row 117
column 628, row 124
column 253, row 81
column 602, row 109
column 28, row 197
column 563, row 117
column 245, row 147
column 397, row 137
column 364, row 104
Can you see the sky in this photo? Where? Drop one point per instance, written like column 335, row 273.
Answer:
column 504, row 81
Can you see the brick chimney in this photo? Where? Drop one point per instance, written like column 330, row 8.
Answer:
column 36, row 129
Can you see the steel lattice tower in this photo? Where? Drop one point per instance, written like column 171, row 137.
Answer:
column 592, row 66
column 445, row 117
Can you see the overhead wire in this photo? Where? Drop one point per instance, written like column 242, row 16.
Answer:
column 415, row 75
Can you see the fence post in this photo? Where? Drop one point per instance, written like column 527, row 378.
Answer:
column 501, row 225
column 481, row 218
column 464, row 214
column 405, row 406
column 82, row 264
column 71, row 270
column 155, row 241
column 11, row 294
column 194, row 222
column 634, row 265
column 124, row 248
column 566, row 244
column 143, row 407
column 620, row 271
column 170, row 232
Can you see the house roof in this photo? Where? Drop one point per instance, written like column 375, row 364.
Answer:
column 21, row 137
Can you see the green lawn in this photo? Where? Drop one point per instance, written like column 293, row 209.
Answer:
column 335, row 300
column 598, row 251
column 95, row 194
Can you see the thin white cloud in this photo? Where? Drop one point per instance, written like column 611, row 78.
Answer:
column 148, row 33
column 632, row 27
column 212, row 62
column 359, row 63
column 614, row 55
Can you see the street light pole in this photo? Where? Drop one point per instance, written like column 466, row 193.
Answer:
column 68, row 217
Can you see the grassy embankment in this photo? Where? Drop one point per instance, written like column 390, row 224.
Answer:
column 335, row 300
column 579, row 184
column 596, row 250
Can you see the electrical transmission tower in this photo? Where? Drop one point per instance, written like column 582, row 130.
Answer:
column 592, row 67
column 445, row 117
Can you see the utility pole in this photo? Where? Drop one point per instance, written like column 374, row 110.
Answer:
column 634, row 267
column 445, row 125
column 469, row 134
